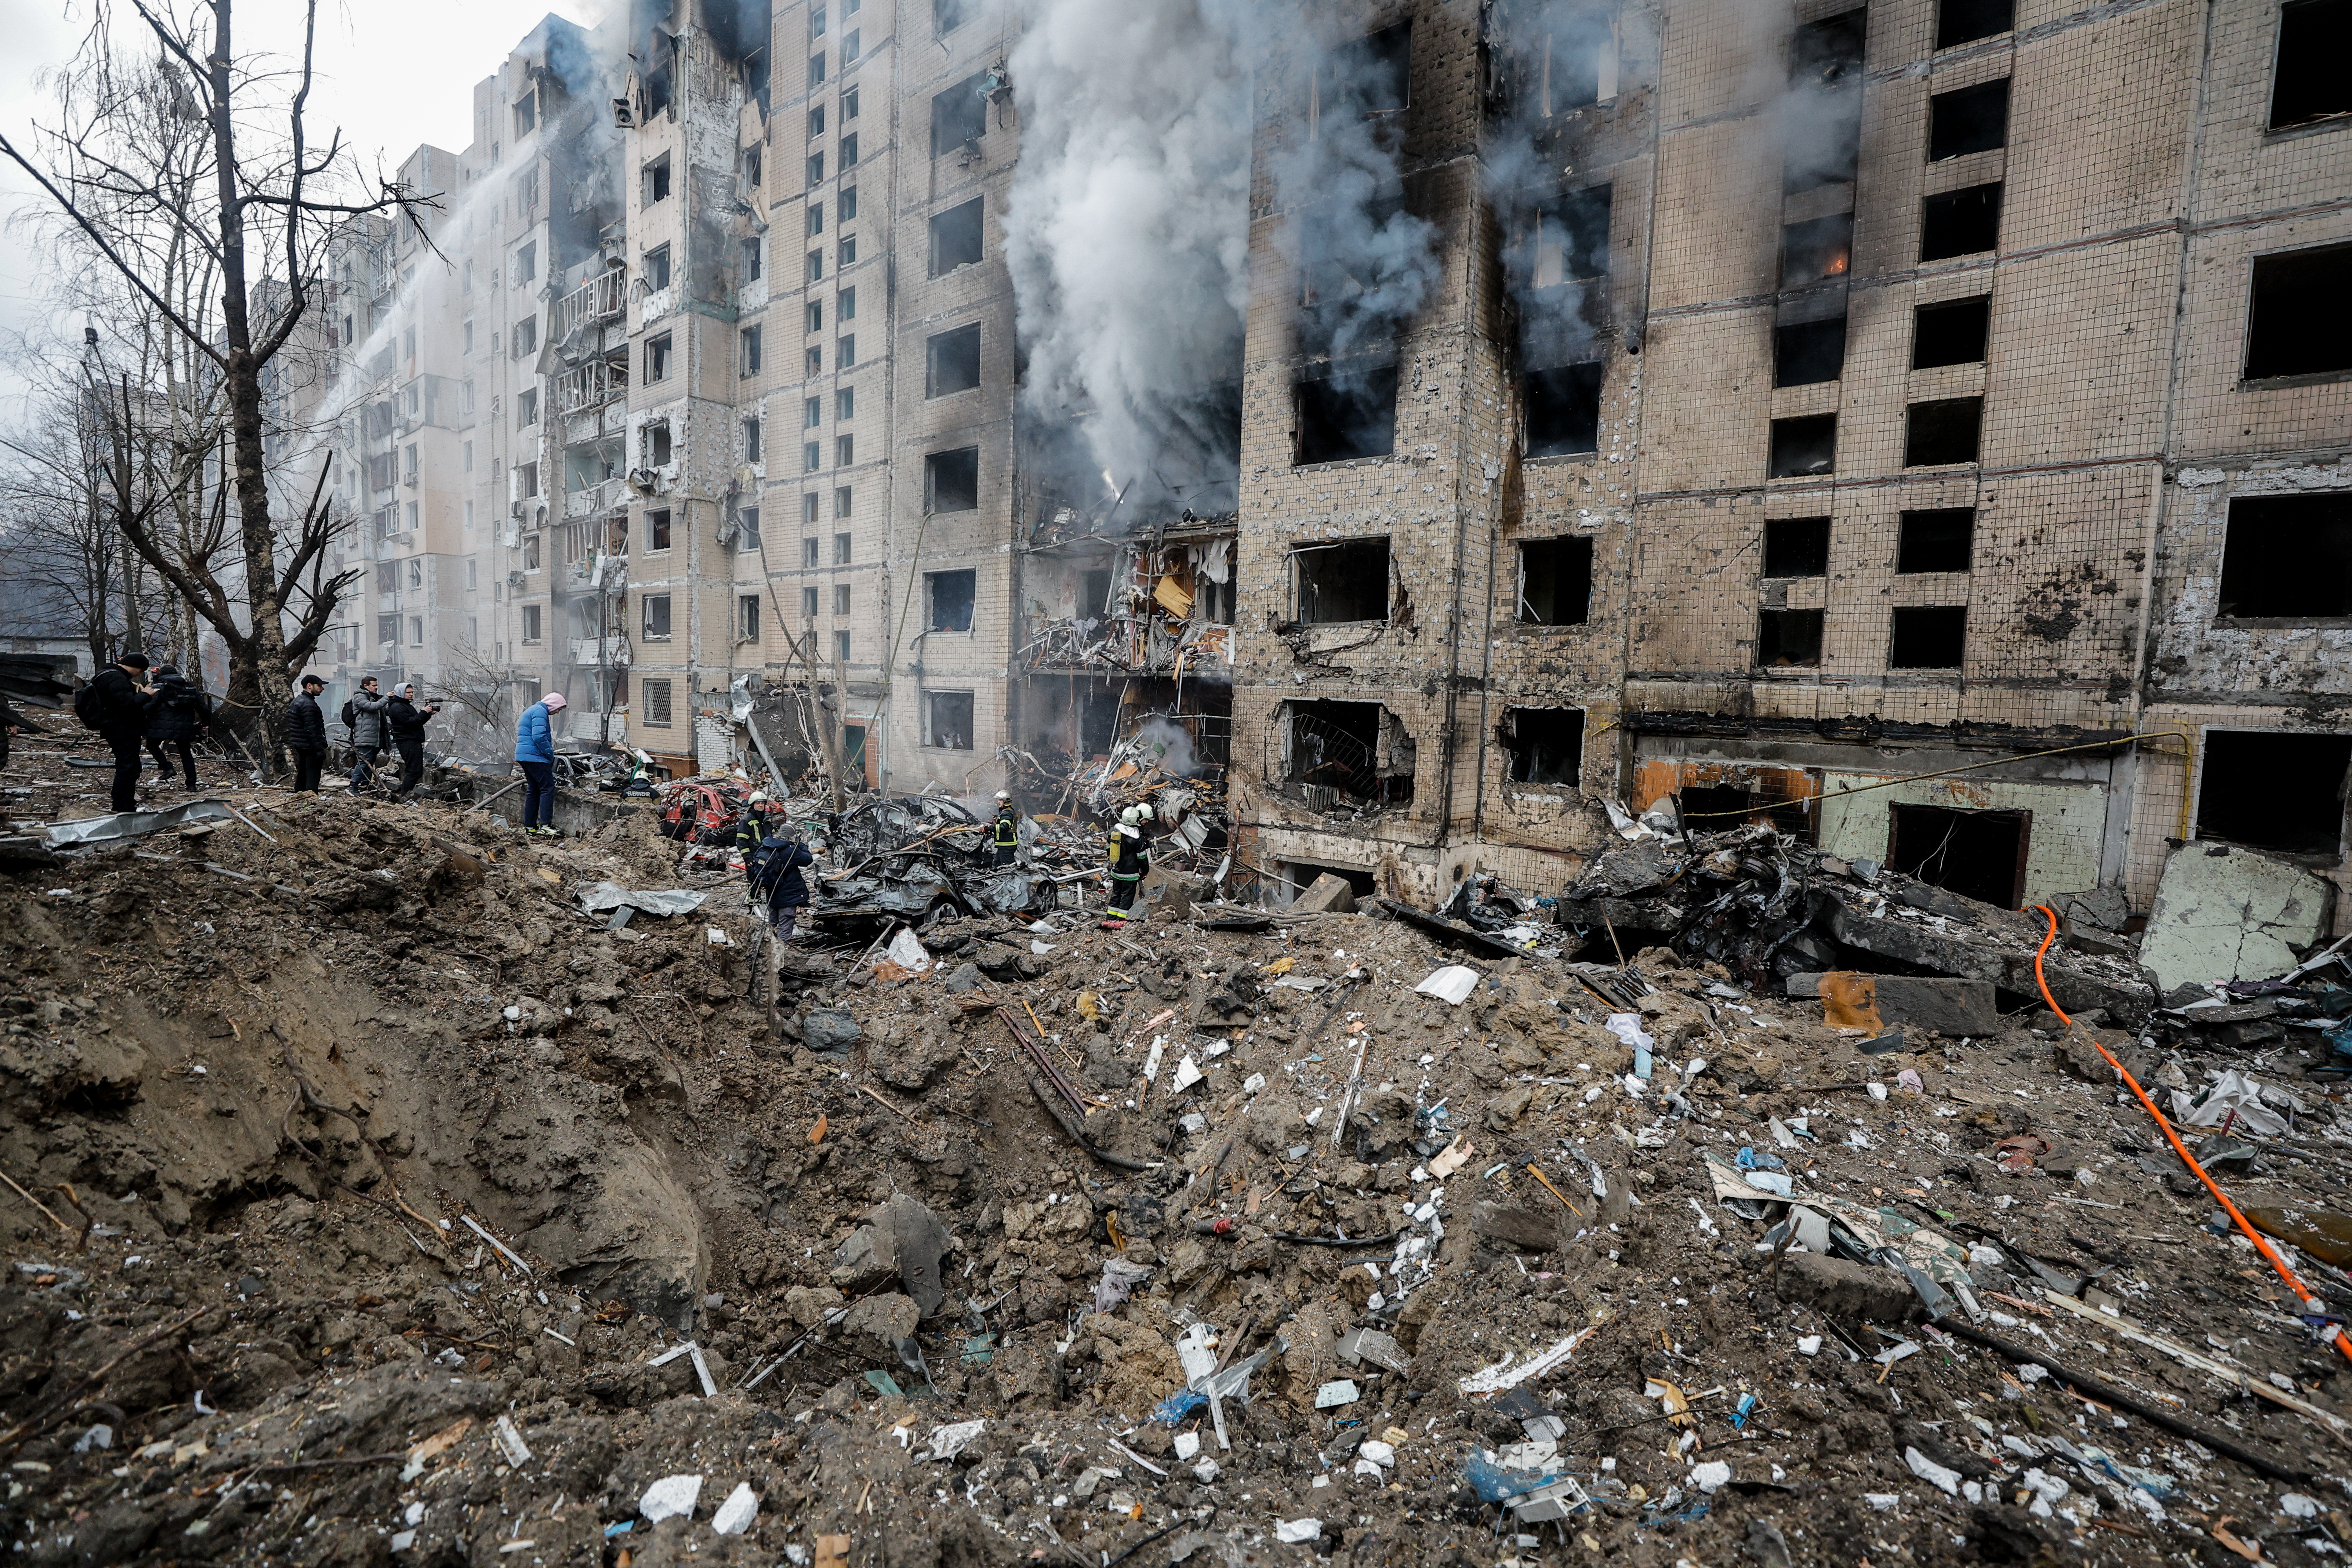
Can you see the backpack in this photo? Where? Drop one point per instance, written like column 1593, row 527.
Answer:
column 349, row 715
column 90, row 708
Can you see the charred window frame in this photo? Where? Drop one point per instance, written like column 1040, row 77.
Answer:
column 2287, row 559
column 1788, row 640
column 2309, row 82
column 1803, row 446
column 1797, row 547
column 1807, row 352
column 951, row 362
column 1556, row 580
column 1816, row 251
column 957, row 236
column 1543, row 745
column 947, row 719
column 950, row 595
column 1550, row 59
column 1327, row 288
column 1960, row 222
column 1935, row 539
column 1366, row 79
column 657, row 267
column 1825, row 65
column 947, row 16
column 2299, row 315
column 656, row 180
column 952, row 480
column 2281, row 790
column 1344, row 412
column 1557, row 262
column 1927, row 637
column 1968, row 120
column 960, row 115
column 1356, row 749
column 1340, row 583
column 1954, row 333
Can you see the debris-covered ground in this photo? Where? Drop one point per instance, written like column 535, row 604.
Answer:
column 370, row 1202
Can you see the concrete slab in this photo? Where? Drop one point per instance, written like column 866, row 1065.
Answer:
column 2225, row 913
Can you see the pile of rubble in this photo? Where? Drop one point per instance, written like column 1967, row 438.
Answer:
column 373, row 1200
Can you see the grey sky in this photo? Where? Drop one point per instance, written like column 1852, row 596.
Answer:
column 392, row 74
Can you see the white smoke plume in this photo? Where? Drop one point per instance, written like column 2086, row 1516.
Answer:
column 1127, row 234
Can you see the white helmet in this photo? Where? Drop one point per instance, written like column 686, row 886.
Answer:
column 1143, row 812
column 1003, row 795
column 1126, row 817
column 759, row 797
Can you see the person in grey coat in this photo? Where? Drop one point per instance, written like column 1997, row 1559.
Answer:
column 367, row 731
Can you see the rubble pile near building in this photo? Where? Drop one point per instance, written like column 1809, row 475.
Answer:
column 371, row 1201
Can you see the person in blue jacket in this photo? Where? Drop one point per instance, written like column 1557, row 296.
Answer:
column 775, row 871
column 535, row 755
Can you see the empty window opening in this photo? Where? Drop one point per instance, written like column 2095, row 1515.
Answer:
column 657, row 267
column 946, row 721
column 1825, row 61
column 1555, row 580
column 657, row 180
column 1944, row 431
column 1788, row 640
column 658, row 448
column 1339, row 582
column 956, row 237
column 657, row 528
column 2269, row 789
column 947, row 16
column 1815, row 250
column 1950, row 334
column 1978, row 854
column 1927, row 637
column 1807, row 444
column 1964, row 21
column 1299, row 875
column 1968, row 120
column 1809, row 351
column 1543, row 745
column 1939, row 539
column 1797, row 547
column 2301, row 313
column 657, row 617
column 959, row 115
column 1346, row 416
column 1563, row 410
column 747, row 617
column 1567, row 239
column 1960, row 222
column 1351, row 294
column 2315, row 40
column 950, row 594
column 951, row 362
column 1711, row 808
column 1357, row 749
column 1367, row 77
column 2288, row 557
column 952, row 480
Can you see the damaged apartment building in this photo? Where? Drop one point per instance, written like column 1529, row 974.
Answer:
column 1920, row 423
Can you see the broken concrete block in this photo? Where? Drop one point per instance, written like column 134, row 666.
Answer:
column 1506, row 1109
column 884, row 1320
column 829, row 1029
column 1847, row 1289
column 809, row 1304
column 966, row 977
column 1327, row 895
column 867, row 1260
column 1878, row 1003
column 918, row 1241
column 2223, row 913
column 1521, row 1229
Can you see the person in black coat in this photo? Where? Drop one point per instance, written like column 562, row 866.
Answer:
column 306, row 735
column 177, row 715
column 120, row 700
column 776, row 872
column 404, row 724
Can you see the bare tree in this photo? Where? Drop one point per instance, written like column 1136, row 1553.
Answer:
column 166, row 211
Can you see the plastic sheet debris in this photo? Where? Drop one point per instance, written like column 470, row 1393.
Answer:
column 1451, row 985
column 136, row 824
column 1119, row 1279
column 906, row 949
column 607, row 896
column 1338, row 1392
column 2234, row 1102
column 1511, row 1372
column 948, row 1441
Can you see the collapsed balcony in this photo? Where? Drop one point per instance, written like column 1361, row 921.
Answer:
column 1149, row 609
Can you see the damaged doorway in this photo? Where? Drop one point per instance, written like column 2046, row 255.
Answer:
column 1978, row 854
column 1355, row 750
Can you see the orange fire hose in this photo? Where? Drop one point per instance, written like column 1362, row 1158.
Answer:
column 2311, row 1303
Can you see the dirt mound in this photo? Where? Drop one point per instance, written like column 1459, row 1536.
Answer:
column 392, row 1209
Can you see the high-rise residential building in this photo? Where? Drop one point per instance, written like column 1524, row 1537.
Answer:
column 1920, row 423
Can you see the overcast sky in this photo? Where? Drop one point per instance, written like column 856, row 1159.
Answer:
column 392, row 74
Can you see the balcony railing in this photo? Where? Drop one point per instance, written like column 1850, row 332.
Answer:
column 594, row 500
column 599, row 299
column 589, row 385
column 600, row 653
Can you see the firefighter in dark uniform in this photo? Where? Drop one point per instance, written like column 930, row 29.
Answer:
column 1005, row 835
column 1130, row 857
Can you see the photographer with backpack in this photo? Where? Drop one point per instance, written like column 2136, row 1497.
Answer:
column 115, row 705
column 178, row 715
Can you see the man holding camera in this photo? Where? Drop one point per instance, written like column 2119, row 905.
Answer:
column 403, row 723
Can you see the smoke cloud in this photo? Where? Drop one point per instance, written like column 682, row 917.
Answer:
column 1127, row 234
